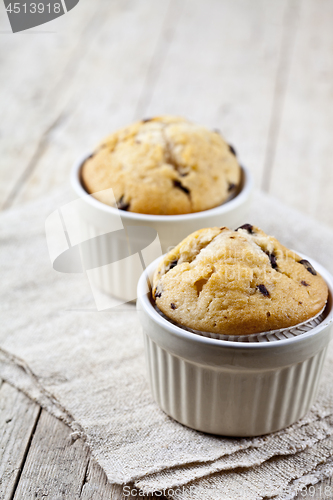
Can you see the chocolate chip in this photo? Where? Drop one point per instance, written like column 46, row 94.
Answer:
column 173, row 264
column 272, row 258
column 173, row 306
column 268, row 314
column 262, row 289
column 122, row 205
column 158, row 294
column 247, row 227
column 304, row 283
column 145, row 120
column 179, row 185
column 308, row 266
column 231, row 186
column 232, row 150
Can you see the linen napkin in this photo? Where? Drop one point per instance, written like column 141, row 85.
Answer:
column 87, row 367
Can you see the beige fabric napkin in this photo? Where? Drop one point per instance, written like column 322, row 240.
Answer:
column 87, row 367
column 279, row 478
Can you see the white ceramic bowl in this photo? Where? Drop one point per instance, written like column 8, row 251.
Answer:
column 232, row 388
column 120, row 278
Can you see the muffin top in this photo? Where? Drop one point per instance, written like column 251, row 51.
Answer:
column 163, row 166
column 237, row 283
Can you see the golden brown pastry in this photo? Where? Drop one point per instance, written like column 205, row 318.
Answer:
column 237, row 283
column 164, row 166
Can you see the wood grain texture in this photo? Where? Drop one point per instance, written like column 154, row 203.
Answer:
column 291, row 23
column 260, row 71
column 302, row 174
column 99, row 96
column 35, row 71
column 18, row 418
column 97, row 487
column 220, row 70
column 222, row 56
column 38, row 458
column 55, row 466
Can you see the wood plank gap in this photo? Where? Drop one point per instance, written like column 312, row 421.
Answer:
column 18, row 477
column 156, row 63
column 55, row 465
column 39, row 151
column 85, row 477
column 69, row 70
column 291, row 22
column 92, row 27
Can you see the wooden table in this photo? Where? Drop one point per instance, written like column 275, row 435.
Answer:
column 260, row 71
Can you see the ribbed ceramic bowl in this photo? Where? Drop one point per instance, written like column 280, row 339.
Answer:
column 232, row 388
column 120, row 278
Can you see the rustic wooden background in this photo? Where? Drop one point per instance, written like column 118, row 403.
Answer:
column 260, row 71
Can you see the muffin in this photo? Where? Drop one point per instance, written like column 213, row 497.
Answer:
column 163, row 166
column 237, row 283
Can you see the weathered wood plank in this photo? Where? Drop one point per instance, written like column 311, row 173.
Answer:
column 18, row 418
column 97, row 487
column 220, row 70
column 222, row 75
column 291, row 22
column 55, row 466
column 100, row 95
column 34, row 69
column 302, row 173
column 217, row 62
column 52, row 449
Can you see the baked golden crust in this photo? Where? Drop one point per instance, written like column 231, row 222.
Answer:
column 163, row 166
column 237, row 283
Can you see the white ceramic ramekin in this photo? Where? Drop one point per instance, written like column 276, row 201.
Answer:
column 120, row 278
column 232, row 388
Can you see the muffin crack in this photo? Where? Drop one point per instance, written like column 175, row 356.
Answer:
column 202, row 282
column 169, row 157
column 179, row 185
column 161, row 165
column 203, row 247
column 225, row 282
column 272, row 252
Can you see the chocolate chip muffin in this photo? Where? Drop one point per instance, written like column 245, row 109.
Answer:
column 237, row 283
column 163, row 166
